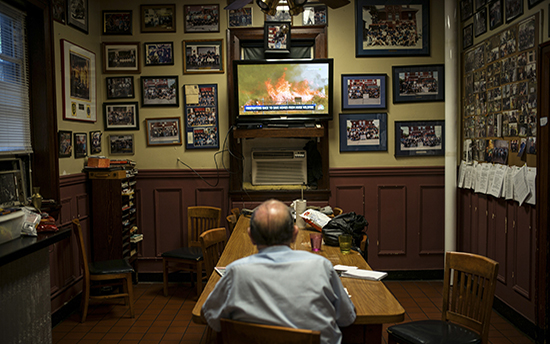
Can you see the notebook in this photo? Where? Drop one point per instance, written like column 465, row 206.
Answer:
column 365, row 274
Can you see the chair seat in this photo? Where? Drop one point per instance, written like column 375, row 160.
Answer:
column 190, row 253
column 434, row 332
column 108, row 267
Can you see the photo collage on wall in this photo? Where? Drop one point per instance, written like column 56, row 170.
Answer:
column 201, row 116
column 500, row 96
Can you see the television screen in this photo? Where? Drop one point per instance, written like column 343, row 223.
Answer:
column 282, row 90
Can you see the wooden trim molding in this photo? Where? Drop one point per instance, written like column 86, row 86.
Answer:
column 387, row 171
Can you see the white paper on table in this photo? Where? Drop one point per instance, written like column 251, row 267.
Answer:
column 521, row 189
column 498, row 180
column 365, row 274
column 461, row 173
column 531, row 176
column 340, row 267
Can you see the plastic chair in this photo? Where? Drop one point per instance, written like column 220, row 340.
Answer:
column 237, row 332
column 212, row 244
column 106, row 273
column 190, row 259
column 467, row 305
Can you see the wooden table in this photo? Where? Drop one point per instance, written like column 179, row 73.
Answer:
column 374, row 303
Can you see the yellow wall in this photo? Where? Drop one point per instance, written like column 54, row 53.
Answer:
column 341, row 47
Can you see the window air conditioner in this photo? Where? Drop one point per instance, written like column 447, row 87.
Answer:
column 279, row 167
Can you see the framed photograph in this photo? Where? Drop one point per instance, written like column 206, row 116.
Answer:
column 117, row 22
column 479, row 4
column 419, row 138
column 121, row 144
column 158, row 18
column 120, row 87
column 80, row 145
column 241, row 17
column 533, row 3
column 159, row 54
column 163, row 131
column 377, row 33
column 78, row 83
column 65, row 140
column 528, row 34
column 59, row 10
column 282, row 14
column 121, row 116
column 77, row 14
column 201, row 116
column 418, row 83
column 95, row 142
column 468, row 36
column 315, row 13
column 364, row 91
column 466, row 9
column 363, row 132
column 514, row 9
column 159, row 91
column 121, row 57
column 480, row 22
column 201, row 18
column 276, row 37
column 496, row 11
column 204, row 56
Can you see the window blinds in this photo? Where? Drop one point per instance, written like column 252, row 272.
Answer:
column 15, row 133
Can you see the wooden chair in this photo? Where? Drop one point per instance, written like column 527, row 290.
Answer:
column 106, row 273
column 237, row 332
column 212, row 244
column 231, row 222
column 236, row 212
column 199, row 220
column 467, row 305
column 337, row 211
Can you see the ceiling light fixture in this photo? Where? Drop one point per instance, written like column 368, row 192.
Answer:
column 269, row 7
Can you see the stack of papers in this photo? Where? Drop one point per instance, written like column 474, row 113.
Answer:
column 354, row 272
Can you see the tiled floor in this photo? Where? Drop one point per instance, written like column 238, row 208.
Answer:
column 162, row 319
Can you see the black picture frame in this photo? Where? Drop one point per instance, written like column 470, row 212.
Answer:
column 364, row 91
column 117, row 22
column 241, row 17
column 277, row 37
column 479, row 4
column 80, row 145
column 201, row 116
column 95, row 142
column 404, row 75
column 150, row 18
column 496, row 14
column 159, row 91
column 159, row 53
column 59, row 11
column 363, row 132
column 466, row 9
column 121, row 116
column 368, row 42
column 468, row 36
column 194, row 17
column 65, row 143
column 121, row 57
column 533, row 3
column 315, row 13
column 121, row 144
column 429, row 132
column 164, row 131
column 77, row 14
column 514, row 9
column 120, row 87
column 480, row 22
column 193, row 48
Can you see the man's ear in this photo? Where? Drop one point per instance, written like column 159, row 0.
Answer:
column 250, row 236
column 295, row 233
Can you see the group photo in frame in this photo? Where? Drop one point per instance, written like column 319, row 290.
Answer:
column 468, row 36
column 59, row 11
column 276, row 37
column 315, row 13
column 480, row 22
column 202, row 56
column 364, row 91
column 479, row 4
column 120, row 87
column 159, row 91
column 201, row 18
column 363, row 132
column 122, row 144
column 65, row 142
column 158, row 18
column 159, row 54
column 117, row 22
column 496, row 14
column 379, row 35
column 422, row 83
column 514, row 9
column 163, row 131
column 419, row 138
column 80, row 145
column 201, row 116
column 466, row 9
column 77, row 14
column 121, row 57
column 95, row 142
column 241, row 17
column 121, row 116
column 78, row 82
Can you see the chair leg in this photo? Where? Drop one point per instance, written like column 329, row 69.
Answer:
column 85, row 301
column 391, row 339
column 130, row 292
column 165, row 276
column 199, row 278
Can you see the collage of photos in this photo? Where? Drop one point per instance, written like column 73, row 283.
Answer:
column 500, row 102
column 201, row 116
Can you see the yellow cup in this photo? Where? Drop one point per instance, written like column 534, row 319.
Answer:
column 345, row 243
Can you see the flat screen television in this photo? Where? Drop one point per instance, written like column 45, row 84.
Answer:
column 283, row 91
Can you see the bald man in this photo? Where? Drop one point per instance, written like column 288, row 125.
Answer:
column 280, row 286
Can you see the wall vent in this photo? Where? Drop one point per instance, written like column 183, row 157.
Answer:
column 279, row 167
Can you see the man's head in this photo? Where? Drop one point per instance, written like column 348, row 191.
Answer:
column 272, row 224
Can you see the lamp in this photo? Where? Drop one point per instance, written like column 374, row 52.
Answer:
column 269, row 7
column 296, row 6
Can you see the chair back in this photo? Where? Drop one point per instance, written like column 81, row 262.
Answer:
column 199, row 220
column 236, row 212
column 237, row 332
column 212, row 243
column 77, row 229
column 469, row 301
column 231, row 222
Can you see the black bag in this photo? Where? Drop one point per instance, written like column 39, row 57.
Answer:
column 348, row 223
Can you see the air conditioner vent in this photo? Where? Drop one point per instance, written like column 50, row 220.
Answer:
column 279, row 167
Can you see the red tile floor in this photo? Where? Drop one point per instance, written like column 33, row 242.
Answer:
column 160, row 319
